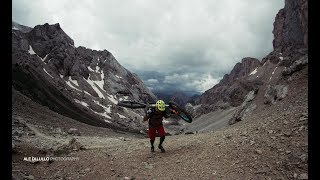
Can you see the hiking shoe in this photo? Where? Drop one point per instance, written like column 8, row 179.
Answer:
column 161, row 148
column 152, row 149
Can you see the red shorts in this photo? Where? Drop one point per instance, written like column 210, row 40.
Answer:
column 152, row 132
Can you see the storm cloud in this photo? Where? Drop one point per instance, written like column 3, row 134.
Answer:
column 171, row 45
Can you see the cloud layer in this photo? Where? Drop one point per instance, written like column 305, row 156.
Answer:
column 190, row 45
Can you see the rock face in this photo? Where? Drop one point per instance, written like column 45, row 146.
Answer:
column 232, row 89
column 77, row 82
column 268, row 78
column 296, row 65
column 291, row 25
column 242, row 69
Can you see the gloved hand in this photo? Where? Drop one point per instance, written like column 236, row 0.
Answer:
column 149, row 111
column 146, row 108
column 172, row 111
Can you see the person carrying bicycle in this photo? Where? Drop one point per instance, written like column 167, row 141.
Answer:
column 155, row 116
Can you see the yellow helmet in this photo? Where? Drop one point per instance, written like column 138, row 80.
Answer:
column 161, row 106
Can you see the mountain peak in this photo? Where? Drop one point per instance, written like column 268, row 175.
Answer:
column 50, row 32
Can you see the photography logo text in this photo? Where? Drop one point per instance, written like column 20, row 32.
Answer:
column 49, row 158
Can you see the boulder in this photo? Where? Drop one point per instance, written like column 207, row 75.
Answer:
column 57, row 131
column 274, row 93
column 296, row 66
column 246, row 107
column 74, row 131
column 73, row 145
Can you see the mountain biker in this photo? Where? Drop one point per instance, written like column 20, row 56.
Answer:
column 155, row 116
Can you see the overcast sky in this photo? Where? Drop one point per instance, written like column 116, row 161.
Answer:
column 183, row 45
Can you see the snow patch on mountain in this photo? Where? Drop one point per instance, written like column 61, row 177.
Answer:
column 103, row 114
column 100, row 83
column 112, row 99
column 87, row 93
column 81, row 102
column 93, row 85
column 31, row 51
column 47, row 72
column 73, row 81
column 274, row 70
column 119, row 77
column 121, row 116
column 273, row 73
column 68, row 82
column 253, row 72
column 107, row 121
column 264, row 63
column 123, row 98
column 90, row 69
column 43, row 59
column 97, row 68
column 107, row 109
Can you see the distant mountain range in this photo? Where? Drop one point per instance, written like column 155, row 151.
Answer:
column 179, row 97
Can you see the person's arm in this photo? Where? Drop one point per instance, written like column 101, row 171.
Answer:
column 148, row 114
column 146, row 118
column 167, row 113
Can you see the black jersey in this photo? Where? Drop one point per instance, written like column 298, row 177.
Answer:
column 156, row 117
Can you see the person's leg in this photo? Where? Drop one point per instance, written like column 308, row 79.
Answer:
column 162, row 134
column 152, row 136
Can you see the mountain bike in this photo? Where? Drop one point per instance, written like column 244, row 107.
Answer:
column 172, row 106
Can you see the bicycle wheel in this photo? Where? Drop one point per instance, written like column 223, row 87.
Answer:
column 131, row 104
column 181, row 112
